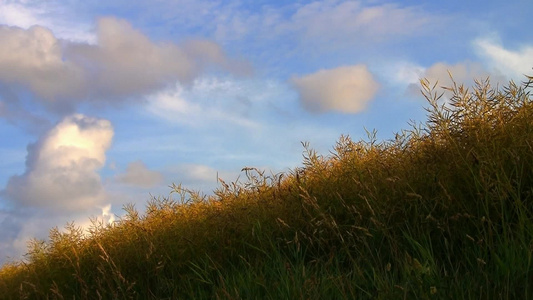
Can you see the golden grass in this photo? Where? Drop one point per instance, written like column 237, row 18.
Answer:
column 443, row 210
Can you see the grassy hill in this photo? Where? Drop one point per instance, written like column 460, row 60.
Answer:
column 443, row 211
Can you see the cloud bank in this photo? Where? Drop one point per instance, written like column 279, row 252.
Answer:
column 123, row 62
column 346, row 89
column 34, row 58
column 62, row 167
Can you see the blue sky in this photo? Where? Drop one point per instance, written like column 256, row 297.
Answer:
column 103, row 103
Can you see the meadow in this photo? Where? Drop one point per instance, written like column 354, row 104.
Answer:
column 442, row 211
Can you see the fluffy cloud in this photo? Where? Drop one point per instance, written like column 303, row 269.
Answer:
column 60, row 184
column 122, row 63
column 34, row 58
column 125, row 61
column 61, row 168
column 138, row 174
column 344, row 89
column 513, row 64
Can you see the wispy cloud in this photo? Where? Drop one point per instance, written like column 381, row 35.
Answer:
column 512, row 63
column 50, row 14
column 313, row 28
column 18, row 14
column 210, row 100
column 295, row 27
column 341, row 21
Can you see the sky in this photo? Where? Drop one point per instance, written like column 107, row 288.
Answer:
column 108, row 103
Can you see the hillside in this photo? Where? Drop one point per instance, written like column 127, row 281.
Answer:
column 443, row 211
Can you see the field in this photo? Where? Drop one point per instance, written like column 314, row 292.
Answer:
column 443, row 211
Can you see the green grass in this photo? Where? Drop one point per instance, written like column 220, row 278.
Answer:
column 443, row 211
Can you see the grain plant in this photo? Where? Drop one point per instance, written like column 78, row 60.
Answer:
column 442, row 211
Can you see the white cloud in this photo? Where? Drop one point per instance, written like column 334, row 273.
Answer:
column 346, row 89
column 123, row 62
column 61, row 168
column 138, row 174
column 332, row 23
column 512, row 63
column 128, row 62
column 107, row 216
column 338, row 20
column 54, row 15
column 170, row 105
column 403, row 72
column 34, row 58
column 16, row 14
column 209, row 100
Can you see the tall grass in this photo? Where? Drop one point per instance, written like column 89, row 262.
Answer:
column 443, row 211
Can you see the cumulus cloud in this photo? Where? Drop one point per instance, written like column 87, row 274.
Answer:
column 34, row 58
column 138, row 174
column 61, row 168
column 345, row 89
column 513, row 64
column 123, row 62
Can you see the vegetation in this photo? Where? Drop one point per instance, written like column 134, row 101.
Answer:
column 443, row 211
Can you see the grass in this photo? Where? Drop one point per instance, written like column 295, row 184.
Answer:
column 443, row 211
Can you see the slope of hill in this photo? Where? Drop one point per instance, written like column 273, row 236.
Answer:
column 445, row 210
